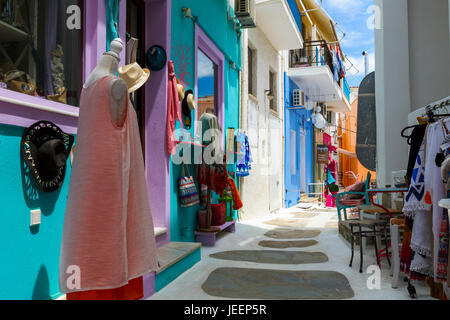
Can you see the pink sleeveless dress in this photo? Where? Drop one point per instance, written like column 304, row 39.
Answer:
column 108, row 227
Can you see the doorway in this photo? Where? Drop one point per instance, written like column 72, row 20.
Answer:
column 302, row 163
column 135, row 38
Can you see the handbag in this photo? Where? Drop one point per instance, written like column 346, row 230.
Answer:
column 19, row 81
column 188, row 190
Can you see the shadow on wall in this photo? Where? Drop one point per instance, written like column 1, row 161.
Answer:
column 34, row 197
column 41, row 289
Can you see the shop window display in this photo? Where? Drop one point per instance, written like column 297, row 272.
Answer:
column 41, row 48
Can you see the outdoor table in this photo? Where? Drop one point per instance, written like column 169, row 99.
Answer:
column 373, row 192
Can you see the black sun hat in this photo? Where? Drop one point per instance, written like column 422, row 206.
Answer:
column 45, row 149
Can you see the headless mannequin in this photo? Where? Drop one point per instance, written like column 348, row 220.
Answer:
column 118, row 91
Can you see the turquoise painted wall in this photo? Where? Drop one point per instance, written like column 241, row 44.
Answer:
column 29, row 257
column 212, row 18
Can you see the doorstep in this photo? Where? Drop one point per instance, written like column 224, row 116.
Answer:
column 175, row 258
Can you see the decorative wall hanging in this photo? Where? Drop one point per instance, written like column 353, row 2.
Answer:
column 45, row 149
column 182, row 58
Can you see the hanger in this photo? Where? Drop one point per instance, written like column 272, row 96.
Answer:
column 409, row 136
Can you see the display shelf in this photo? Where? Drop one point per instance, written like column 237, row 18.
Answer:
column 208, row 239
column 9, row 33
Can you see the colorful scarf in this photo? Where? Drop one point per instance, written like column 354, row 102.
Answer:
column 418, row 210
column 415, row 198
column 243, row 165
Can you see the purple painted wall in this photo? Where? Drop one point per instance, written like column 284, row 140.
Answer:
column 158, row 32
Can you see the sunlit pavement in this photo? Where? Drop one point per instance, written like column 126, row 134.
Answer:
column 250, row 233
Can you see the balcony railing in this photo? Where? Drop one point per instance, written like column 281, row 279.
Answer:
column 314, row 53
column 346, row 88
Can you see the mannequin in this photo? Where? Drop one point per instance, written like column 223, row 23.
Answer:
column 108, row 195
column 108, row 66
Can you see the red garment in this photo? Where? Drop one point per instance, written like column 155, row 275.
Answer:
column 237, row 202
column 134, row 290
column 212, row 176
column 173, row 110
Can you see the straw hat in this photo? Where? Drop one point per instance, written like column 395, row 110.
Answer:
column 180, row 89
column 134, row 76
column 189, row 100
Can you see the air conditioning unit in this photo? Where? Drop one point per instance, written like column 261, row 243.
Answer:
column 245, row 12
column 298, row 98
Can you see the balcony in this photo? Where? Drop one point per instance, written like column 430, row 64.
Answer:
column 275, row 19
column 314, row 71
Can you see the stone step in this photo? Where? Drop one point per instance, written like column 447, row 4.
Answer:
column 173, row 252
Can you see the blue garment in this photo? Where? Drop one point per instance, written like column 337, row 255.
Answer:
column 112, row 21
column 243, row 165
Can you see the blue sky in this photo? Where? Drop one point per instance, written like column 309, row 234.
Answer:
column 352, row 17
column 205, row 69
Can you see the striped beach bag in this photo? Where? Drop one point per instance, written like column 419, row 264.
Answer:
column 188, row 190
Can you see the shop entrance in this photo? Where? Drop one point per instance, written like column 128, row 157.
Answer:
column 136, row 53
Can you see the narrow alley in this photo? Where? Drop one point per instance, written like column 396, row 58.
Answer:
column 249, row 235
column 284, row 151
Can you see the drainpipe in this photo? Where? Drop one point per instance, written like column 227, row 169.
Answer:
column 366, row 63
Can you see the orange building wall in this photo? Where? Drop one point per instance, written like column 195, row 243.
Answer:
column 348, row 142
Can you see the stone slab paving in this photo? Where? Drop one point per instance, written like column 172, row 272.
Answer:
column 305, row 214
column 292, row 234
column 287, row 244
column 240, row 283
column 287, row 222
column 272, row 256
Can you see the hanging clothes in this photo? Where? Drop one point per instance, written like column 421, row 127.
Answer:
column 173, row 110
column 419, row 259
column 443, row 250
column 108, row 227
column 243, row 164
column 434, row 187
column 416, row 137
column 112, row 21
column 212, row 172
column 51, row 18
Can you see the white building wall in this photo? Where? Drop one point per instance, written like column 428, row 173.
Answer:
column 412, row 70
column 262, row 191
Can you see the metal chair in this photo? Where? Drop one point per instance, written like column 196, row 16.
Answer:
column 343, row 204
column 373, row 228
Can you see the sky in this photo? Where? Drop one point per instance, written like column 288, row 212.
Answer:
column 205, row 69
column 354, row 17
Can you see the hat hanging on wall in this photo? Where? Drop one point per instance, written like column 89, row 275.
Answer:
column 134, row 76
column 45, row 149
column 181, row 92
column 156, row 58
column 189, row 100
column 187, row 106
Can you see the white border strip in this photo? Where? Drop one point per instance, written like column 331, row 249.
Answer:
column 39, row 107
column 412, row 117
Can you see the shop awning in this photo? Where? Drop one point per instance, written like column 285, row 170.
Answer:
column 346, row 153
column 275, row 20
column 323, row 22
